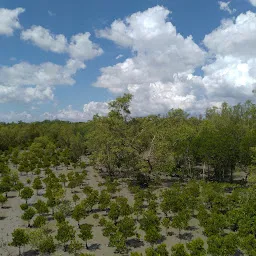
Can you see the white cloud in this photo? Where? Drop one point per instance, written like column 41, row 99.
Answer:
column 89, row 110
column 224, row 6
column 80, row 46
column 93, row 108
column 27, row 82
column 253, row 2
column 50, row 13
column 234, row 37
column 44, row 39
column 119, row 56
column 9, row 20
column 160, row 73
column 13, row 116
column 160, row 52
column 231, row 76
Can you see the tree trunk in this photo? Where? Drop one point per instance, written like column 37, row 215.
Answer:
column 150, row 166
column 86, row 245
column 19, row 251
column 231, row 175
column 204, row 171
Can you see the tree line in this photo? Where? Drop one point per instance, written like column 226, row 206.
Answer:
column 209, row 146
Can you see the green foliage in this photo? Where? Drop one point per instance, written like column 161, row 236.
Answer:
column 135, row 254
column 92, row 199
column 124, row 207
column 26, row 193
column 160, row 250
column 28, row 215
column 96, row 216
column 149, row 221
column 215, row 224
column 179, row 250
column 86, row 233
column 41, row 207
column 166, row 222
column 196, row 247
column 41, row 240
column 152, row 235
column 248, row 244
column 180, row 221
column 114, row 211
column 39, row 221
column 3, row 200
column 75, row 198
column 102, row 221
column 78, row 213
column 19, row 238
column 24, row 207
column 109, row 228
column 59, row 217
column 37, row 184
column 47, row 245
column 74, row 247
column 227, row 245
column 117, row 240
column 104, row 200
column 127, row 227
column 65, row 233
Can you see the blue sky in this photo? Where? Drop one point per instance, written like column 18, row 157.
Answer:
column 169, row 69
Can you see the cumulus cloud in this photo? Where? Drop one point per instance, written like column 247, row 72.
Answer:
column 44, row 39
column 224, row 6
column 80, row 46
column 160, row 75
column 9, row 20
column 50, row 13
column 27, row 82
column 155, row 43
column 13, row 116
column 89, row 110
column 234, row 37
column 232, row 74
column 253, row 2
column 119, row 56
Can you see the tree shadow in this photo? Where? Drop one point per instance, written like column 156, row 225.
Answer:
column 186, row 236
column 170, row 233
column 11, row 196
column 2, row 218
column 135, row 243
column 31, row 253
column 191, row 228
column 6, row 207
column 50, row 218
column 238, row 253
column 94, row 247
column 161, row 240
column 96, row 210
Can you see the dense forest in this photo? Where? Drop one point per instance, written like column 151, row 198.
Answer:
column 211, row 146
column 143, row 181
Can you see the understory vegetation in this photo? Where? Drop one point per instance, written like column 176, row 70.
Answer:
column 154, row 185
